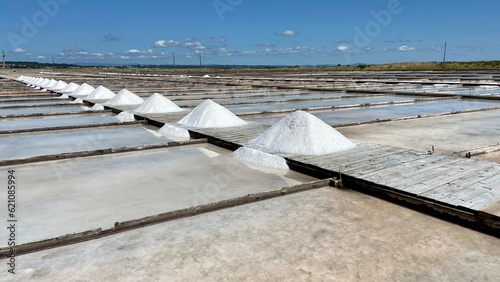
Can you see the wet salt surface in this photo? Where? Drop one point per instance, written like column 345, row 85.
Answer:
column 48, row 110
column 57, row 142
column 264, row 99
column 35, row 103
column 75, row 195
column 13, row 124
column 303, row 105
column 343, row 116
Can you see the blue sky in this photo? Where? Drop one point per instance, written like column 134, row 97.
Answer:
column 254, row 32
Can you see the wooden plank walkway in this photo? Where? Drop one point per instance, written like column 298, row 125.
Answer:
column 466, row 185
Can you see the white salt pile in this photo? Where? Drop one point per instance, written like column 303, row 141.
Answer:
column 69, row 88
column 125, row 117
column 157, row 104
column 101, row 93
column 173, row 132
column 77, row 101
column 210, row 114
column 124, row 97
column 301, row 133
column 63, row 96
column 58, row 86
column 97, row 107
column 260, row 158
column 49, row 84
column 206, row 76
column 83, row 90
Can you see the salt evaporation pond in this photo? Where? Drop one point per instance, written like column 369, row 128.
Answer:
column 315, row 104
column 34, row 103
column 68, row 141
column 344, row 116
column 55, row 121
column 49, row 110
column 234, row 100
column 87, row 193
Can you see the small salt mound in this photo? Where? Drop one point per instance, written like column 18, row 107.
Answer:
column 124, row 97
column 69, row 88
column 97, row 107
column 260, row 158
column 301, row 133
column 125, row 117
column 101, row 93
column 174, row 132
column 83, row 90
column 157, row 104
column 63, row 96
column 210, row 114
column 77, row 101
column 206, row 76
column 58, row 86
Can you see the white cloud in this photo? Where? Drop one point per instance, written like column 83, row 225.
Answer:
column 97, row 54
column 149, row 51
column 288, row 33
column 40, row 57
column 133, row 51
column 165, row 43
column 343, row 48
column 406, row 48
column 124, row 57
column 19, row 50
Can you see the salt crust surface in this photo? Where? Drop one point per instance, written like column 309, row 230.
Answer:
column 211, row 115
column 157, row 104
column 101, row 93
column 125, row 97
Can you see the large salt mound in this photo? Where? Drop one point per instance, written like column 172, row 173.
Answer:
column 69, row 88
column 157, row 104
column 124, row 97
column 210, row 114
column 101, row 93
column 301, row 133
column 83, row 90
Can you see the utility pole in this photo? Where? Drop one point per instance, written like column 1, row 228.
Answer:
column 200, row 58
column 173, row 58
column 53, row 64
column 444, row 56
column 3, row 58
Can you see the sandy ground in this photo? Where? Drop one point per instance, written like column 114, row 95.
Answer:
column 326, row 234
column 493, row 157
